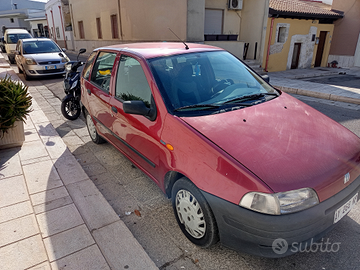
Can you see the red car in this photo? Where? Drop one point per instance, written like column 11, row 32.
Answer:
column 243, row 163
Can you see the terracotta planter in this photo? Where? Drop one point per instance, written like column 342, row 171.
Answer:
column 14, row 137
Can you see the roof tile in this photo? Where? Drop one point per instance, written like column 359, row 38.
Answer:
column 308, row 7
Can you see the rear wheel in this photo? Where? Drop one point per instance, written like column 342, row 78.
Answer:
column 12, row 60
column 95, row 137
column 193, row 214
column 70, row 108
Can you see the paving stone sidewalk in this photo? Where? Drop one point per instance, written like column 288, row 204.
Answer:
column 52, row 216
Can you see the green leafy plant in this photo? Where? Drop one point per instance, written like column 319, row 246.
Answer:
column 15, row 103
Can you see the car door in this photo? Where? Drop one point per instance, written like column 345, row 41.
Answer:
column 97, row 91
column 136, row 135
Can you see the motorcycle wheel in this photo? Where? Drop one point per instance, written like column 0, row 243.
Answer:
column 70, row 108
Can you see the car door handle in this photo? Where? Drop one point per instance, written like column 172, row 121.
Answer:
column 114, row 109
column 89, row 91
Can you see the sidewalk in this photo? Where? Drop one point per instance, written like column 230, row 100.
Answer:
column 52, row 216
column 291, row 81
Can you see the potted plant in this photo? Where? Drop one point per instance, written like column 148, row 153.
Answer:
column 15, row 103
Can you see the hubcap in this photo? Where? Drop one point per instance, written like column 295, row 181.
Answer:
column 91, row 127
column 190, row 214
column 71, row 108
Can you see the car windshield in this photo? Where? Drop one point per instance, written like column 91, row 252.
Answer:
column 43, row 46
column 208, row 81
column 13, row 38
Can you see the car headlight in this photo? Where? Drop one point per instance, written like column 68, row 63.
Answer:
column 280, row 203
column 30, row 61
column 65, row 59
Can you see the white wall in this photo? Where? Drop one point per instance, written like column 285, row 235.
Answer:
column 357, row 54
column 55, row 19
column 329, row 2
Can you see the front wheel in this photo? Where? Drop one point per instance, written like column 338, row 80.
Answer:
column 70, row 108
column 20, row 70
column 193, row 214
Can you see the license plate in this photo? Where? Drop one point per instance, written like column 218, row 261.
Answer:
column 50, row 67
column 343, row 210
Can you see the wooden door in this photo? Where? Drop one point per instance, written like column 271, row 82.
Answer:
column 320, row 49
column 296, row 56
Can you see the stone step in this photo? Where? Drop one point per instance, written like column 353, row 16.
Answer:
column 255, row 65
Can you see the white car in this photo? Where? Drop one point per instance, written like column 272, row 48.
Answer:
column 11, row 38
column 37, row 57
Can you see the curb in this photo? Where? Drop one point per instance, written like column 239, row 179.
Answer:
column 314, row 94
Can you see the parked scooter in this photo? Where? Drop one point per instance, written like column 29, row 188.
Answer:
column 70, row 104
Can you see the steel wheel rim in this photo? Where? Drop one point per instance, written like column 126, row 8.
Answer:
column 190, row 214
column 91, row 127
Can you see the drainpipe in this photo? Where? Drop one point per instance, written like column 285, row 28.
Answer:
column 62, row 26
column 121, row 30
column 268, row 49
column 52, row 15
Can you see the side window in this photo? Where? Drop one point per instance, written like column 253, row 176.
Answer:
column 101, row 72
column 88, row 64
column 131, row 82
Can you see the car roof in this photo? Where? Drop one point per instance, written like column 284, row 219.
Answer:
column 158, row 49
column 36, row 39
column 14, row 31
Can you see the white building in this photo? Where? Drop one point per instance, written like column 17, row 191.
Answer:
column 58, row 19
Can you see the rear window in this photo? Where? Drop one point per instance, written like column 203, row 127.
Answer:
column 13, row 38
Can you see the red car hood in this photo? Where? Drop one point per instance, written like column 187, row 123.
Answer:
column 287, row 144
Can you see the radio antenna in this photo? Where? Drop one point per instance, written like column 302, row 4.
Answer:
column 186, row 46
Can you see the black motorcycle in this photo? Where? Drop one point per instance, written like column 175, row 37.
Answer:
column 70, row 104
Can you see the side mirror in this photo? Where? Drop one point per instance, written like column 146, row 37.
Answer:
column 266, row 78
column 82, row 50
column 63, row 49
column 138, row 107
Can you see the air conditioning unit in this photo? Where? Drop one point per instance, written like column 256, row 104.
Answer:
column 235, row 4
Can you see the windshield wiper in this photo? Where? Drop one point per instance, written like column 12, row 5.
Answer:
column 249, row 97
column 198, row 106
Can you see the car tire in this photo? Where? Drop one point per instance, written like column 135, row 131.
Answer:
column 193, row 214
column 12, row 60
column 70, row 110
column 20, row 70
column 95, row 137
column 26, row 76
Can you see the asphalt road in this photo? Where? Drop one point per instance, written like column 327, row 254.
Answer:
column 342, row 80
column 127, row 189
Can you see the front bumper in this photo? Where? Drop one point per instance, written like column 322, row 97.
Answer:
column 251, row 232
column 42, row 70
